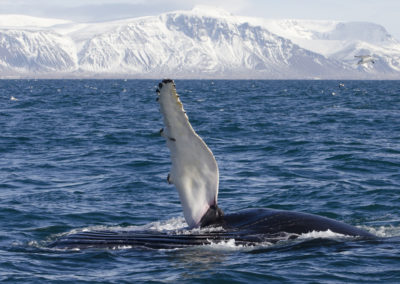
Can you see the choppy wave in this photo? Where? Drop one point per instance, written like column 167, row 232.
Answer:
column 86, row 155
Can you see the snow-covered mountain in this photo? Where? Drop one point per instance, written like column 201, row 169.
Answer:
column 201, row 43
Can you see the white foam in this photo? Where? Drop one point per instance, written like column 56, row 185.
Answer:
column 176, row 226
column 171, row 225
column 231, row 245
column 225, row 245
column 32, row 244
column 328, row 234
column 384, row 231
column 121, row 247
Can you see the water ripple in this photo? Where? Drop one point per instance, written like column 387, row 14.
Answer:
column 77, row 154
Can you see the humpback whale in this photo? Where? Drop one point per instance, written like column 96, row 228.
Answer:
column 195, row 175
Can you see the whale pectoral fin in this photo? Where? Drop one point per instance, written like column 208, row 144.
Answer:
column 169, row 179
column 163, row 134
column 194, row 169
column 213, row 216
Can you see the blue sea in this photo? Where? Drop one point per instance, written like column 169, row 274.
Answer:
column 81, row 155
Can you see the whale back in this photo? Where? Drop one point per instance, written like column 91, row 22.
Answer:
column 250, row 227
column 194, row 169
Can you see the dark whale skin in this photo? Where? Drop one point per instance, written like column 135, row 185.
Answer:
column 246, row 227
column 271, row 221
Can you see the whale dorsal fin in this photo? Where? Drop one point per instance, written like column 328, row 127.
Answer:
column 194, row 169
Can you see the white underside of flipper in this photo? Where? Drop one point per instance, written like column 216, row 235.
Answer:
column 194, row 169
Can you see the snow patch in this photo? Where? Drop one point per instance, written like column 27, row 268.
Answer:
column 201, row 43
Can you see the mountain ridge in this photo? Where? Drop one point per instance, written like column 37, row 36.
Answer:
column 200, row 43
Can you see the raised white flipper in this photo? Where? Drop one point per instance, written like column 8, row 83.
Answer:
column 194, row 169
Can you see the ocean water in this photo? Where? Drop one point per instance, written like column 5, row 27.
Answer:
column 86, row 154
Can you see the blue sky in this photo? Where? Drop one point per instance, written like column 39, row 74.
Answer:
column 384, row 12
